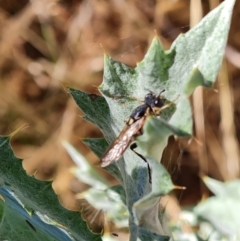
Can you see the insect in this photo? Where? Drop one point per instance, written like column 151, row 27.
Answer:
column 153, row 105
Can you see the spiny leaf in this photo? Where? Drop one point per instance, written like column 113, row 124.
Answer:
column 161, row 185
column 98, row 146
column 38, row 195
column 193, row 59
column 230, row 188
column 18, row 224
column 84, row 171
column 222, row 211
column 156, row 132
column 223, row 214
column 96, row 109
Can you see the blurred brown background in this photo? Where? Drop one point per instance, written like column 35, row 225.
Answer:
column 48, row 45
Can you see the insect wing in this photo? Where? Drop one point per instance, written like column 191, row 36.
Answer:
column 121, row 143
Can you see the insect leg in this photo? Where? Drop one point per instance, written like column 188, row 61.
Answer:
column 133, row 147
column 169, row 104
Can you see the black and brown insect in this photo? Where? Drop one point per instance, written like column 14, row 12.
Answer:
column 153, row 105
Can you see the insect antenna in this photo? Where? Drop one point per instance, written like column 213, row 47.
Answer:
column 161, row 92
column 153, row 93
column 148, row 90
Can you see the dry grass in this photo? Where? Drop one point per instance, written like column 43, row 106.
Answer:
column 48, row 45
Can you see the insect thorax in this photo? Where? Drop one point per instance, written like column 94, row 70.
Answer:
column 138, row 113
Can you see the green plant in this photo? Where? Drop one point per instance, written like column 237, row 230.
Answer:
column 194, row 59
